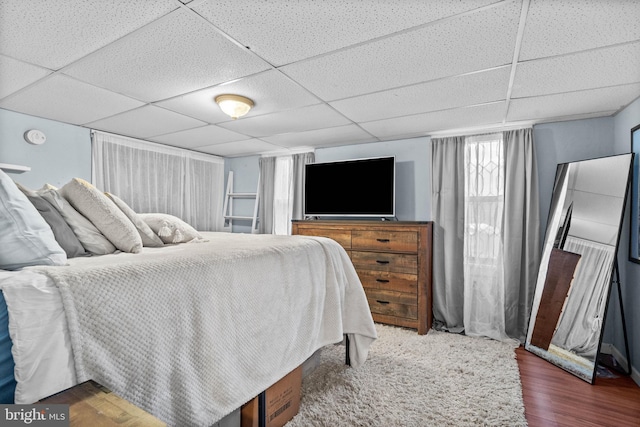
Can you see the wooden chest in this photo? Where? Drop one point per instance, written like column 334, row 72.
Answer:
column 393, row 261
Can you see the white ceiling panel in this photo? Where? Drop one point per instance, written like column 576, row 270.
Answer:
column 321, row 73
column 198, row 137
column 62, row 98
column 467, row 89
column 586, row 70
column 240, row 148
column 604, row 100
column 54, row 34
column 15, row 75
column 556, row 27
column 454, row 46
column 298, row 120
column 146, row 122
column 177, row 54
column 271, row 91
column 424, row 124
column 302, row 29
column 321, row 137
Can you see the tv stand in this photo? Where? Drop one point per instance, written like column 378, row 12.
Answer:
column 393, row 262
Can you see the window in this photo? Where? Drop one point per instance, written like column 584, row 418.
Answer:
column 484, row 197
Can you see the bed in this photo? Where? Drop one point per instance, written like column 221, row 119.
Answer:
column 187, row 331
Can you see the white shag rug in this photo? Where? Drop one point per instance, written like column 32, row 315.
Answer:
column 438, row 379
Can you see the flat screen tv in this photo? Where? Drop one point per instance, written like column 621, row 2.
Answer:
column 351, row 188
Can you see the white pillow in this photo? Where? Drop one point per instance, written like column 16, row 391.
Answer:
column 149, row 238
column 103, row 213
column 171, row 229
column 90, row 237
column 25, row 237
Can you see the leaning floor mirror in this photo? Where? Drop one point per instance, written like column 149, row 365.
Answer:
column 577, row 263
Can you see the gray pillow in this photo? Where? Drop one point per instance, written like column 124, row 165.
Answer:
column 26, row 239
column 149, row 238
column 90, row 237
column 103, row 213
column 63, row 234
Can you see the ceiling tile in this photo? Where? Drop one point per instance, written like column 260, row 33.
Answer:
column 605, row 101
column 302, row 29
column 556, row 27
column 146, row 122
column 424, row 124
column 468, row 89
column 298, row 120
column 205, row 135
column 595, row 68
column 240, row 148
column 177, row 54
column 53, row 36
column 62, row 98
column 270, row 91
column 349, row 134
column 454, row 46
column 14, row 75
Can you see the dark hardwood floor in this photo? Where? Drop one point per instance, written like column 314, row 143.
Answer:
column 553, row 397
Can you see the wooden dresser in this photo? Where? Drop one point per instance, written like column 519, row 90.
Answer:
column 393, row 261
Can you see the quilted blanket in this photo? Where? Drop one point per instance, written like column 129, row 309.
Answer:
column 190, row 332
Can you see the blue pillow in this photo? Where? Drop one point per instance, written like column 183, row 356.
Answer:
column 7, row 379
column 25, row 237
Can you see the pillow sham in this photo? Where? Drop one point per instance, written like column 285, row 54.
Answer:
column 170, row 229
column 26, row 239
column 90, row 237
column 149, row 238
column 63, row 234
column 103, row 213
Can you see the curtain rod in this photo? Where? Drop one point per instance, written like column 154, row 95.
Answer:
column 483, row 129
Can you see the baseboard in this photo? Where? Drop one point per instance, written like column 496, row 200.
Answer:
column 608, row 348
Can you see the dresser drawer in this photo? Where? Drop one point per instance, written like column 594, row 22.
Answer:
column 401, row 282
column 343, row 237
column 399, row 263
column 395, row 241
column 390, row 303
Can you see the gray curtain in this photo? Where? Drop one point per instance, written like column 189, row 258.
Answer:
column 521, row 238
column 447, row 200
column 299, row 160
column 265, row 204
column 267, row 181
column 521, row 234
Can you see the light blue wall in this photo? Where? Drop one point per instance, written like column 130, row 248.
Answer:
column 413, row 174
column 413, row 171
column 629, row 271
column 65, row 154
column 563, row 142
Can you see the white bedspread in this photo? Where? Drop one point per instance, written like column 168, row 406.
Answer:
column 191, row 332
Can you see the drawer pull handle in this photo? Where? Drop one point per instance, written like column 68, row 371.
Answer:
column 383, row 240
column 382, row 302
column 379, row 261
column 382, row 280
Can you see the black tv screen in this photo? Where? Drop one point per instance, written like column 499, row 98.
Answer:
column 359, row 187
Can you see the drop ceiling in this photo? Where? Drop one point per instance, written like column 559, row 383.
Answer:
column 321, row 73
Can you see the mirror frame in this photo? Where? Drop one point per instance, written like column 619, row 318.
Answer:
column 634, row 211
column 567, row 365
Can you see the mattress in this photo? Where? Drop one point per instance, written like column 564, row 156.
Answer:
column 39, row 342
column 322, row 299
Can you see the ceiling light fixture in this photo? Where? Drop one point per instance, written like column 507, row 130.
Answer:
column 234, row 105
